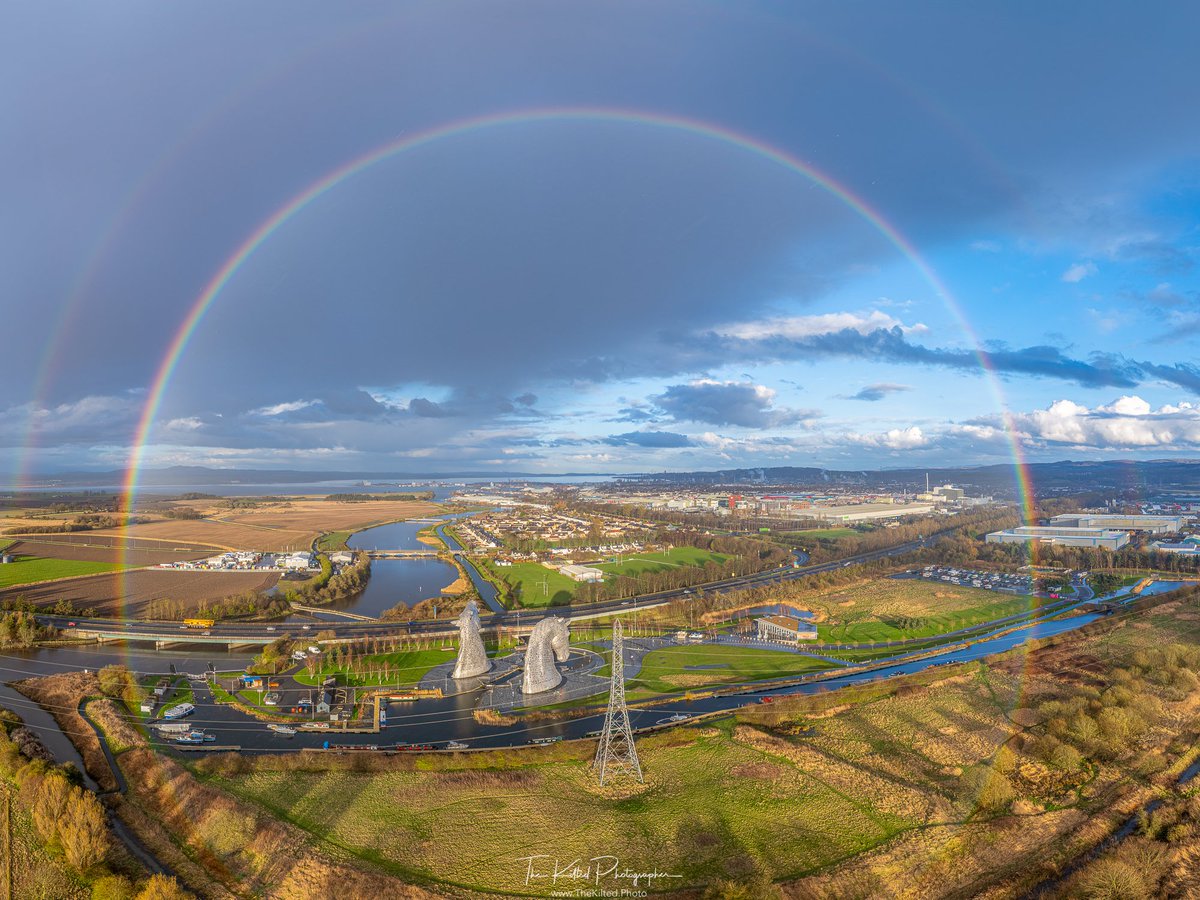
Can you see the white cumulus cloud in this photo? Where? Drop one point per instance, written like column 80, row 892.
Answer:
column 824, row 323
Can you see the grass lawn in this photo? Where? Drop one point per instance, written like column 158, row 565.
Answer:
column 401, row 667
column 527, row 579
column 673, row 669
column 335, row 540
column 657, row 562
column 28, row 569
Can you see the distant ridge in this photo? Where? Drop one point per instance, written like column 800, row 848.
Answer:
column 1065, row 475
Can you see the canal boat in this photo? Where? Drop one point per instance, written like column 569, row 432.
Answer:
column 179, row 711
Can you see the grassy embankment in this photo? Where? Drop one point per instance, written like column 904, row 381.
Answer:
column 671, row 669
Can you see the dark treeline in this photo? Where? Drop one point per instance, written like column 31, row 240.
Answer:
column 970, row 524
column 18, row 628
column 234, row 606
column 85, row 522
column 327, row 587
column 364, row 498
column 702, row 520
column 1090, row 559
column 746, row 557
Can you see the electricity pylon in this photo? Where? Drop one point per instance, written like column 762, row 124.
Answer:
column 616, row 753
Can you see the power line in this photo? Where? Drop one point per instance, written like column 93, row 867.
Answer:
column 617, row 754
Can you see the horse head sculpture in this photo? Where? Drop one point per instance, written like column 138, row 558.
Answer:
column 549, row 641
column 472, row 658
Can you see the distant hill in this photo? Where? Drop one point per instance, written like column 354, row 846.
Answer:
column 1140, row 477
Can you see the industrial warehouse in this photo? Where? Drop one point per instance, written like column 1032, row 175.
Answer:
column 1095, row 531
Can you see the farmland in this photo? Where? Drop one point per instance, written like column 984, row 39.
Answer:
column 31, row 569
column 106, row 549
column 274, row 523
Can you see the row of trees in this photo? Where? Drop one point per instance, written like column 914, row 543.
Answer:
column 365, row 498
column 68, row 819
column 1089, row 559
column 20, row 629
column 86, row 522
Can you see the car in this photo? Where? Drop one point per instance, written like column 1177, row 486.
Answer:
column 208, row 632
column 306, row 628
column 183, row 628
column 270, row 628
column 70, row 624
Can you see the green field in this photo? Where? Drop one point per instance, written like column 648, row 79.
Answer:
column 900, row 628
column 28, row 569
column 401, row 667
column 528, row 579
column 672, row 669
column 642, row 563
column 335, row 540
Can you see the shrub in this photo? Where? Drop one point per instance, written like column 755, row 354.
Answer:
column 84, row 834
column 112, row 887
column 160, row 887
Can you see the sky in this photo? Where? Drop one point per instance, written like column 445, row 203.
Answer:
column 596, row 237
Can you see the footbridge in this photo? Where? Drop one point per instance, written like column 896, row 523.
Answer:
column 402, row 554
column 326, row 611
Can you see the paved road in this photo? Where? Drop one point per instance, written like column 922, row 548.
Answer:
column 258, row 633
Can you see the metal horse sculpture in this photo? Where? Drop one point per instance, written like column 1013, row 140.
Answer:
column 549, row 641
column 472, row 658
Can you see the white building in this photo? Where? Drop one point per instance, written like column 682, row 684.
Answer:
column 582, row 573
column 296, row 562
column 1150, row 524
column 1099, row 538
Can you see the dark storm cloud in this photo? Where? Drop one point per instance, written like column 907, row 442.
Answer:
column 891, row 345
column 874, row 392
column 740, row 403
column 635, row 414
column 652, row 439
column 514, row 260
column 1185, row 375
